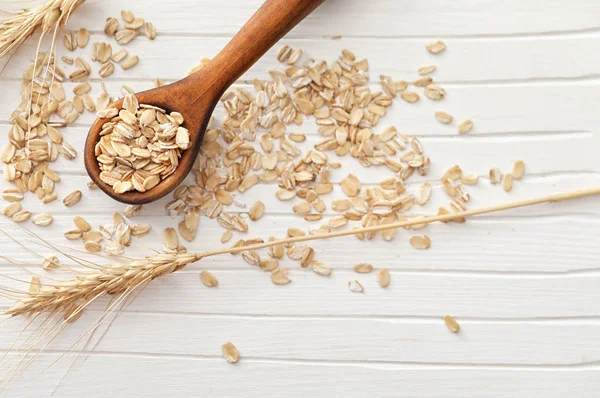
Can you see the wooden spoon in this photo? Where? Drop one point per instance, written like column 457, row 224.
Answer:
column 196, row 96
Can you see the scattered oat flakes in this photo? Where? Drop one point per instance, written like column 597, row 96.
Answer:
column 35, row 285
column 150, row 30
column 21, row 216
column 92, row 246
column 427, row 69
column 72, row 199
column 420, row 242
column 302, row 208
column 256, row 210
column 13, row 194
column 111, row 27
column 424, row 193
column 495, row 175
column 120, row 55
column 279, row 276
column 518, row 169
column 269, row 264
column 81, row 224
column 83, row 37
column 507, row 182
column 363, row 268
column 186, row 233
column 42, row 219
column 443, row 117
column 469, row 179
column 226, row 237
column 132, row 210
column 50, row 262
column 355, row 286
column 74, row 234
column 125, row 36
column 436, row 47
column 451, row 323
column 170, row 241
column 208, row 279
column 11, row 209
column 320, row 268
column 129, row 62
column 465, row 126
column 435, row 92
column 140, row 230
column 230, row 352
column 383, row 277
column 351, row 185
column 127, row 16
column 294, row 56
column 410, row 96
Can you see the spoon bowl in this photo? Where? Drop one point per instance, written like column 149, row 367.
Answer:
column 184, row 96
column 196, row 96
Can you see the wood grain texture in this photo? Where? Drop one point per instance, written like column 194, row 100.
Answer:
column 524, row 285
column 216, row 377
column 378, row 18
column 507, row 59
column 392, row 340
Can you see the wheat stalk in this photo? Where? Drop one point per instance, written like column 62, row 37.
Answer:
column 15, row 29
column 72, row 296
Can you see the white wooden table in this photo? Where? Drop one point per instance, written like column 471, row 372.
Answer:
column 524, row 285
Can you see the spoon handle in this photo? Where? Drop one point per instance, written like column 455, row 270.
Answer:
column 269, row 24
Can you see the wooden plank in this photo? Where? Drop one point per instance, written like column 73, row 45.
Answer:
column 412, row 294
column 400, row 341
column 250, row 291
column 190, row 376
column 482, row 245
column 483, row 194
column 379, row 18
column 572, row 153
column 466, row 60
column 497, row 109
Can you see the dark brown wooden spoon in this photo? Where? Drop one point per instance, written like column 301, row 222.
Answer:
column 196, row 96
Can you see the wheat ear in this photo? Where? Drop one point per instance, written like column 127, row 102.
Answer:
column 69, row 297
column 20, row 26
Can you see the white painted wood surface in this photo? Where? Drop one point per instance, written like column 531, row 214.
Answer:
column 524, row 285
